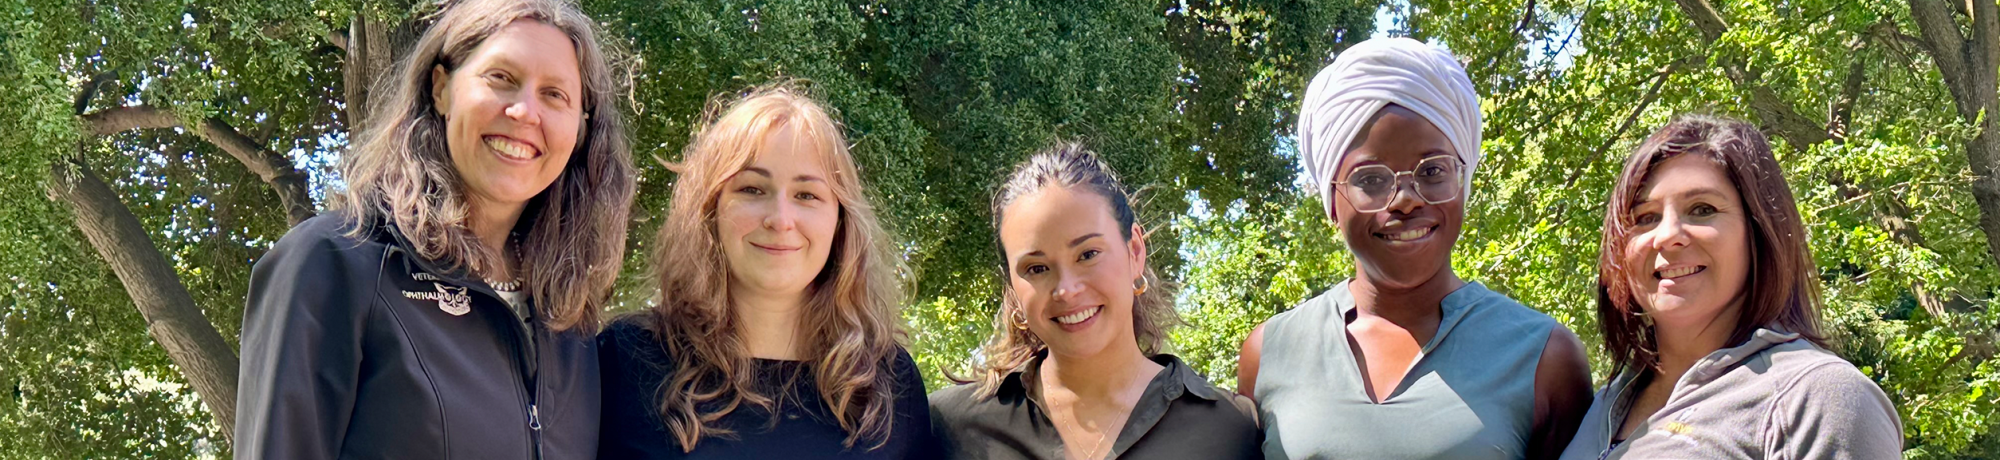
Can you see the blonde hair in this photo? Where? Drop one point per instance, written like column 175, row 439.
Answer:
column 1066, row 164
column 400, row 169
column 850, row 327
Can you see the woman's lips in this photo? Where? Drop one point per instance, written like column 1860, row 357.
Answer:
column 775, row 249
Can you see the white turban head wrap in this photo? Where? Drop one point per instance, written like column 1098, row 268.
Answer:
column 1374, row 74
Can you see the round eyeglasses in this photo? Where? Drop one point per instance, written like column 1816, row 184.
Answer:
column 1373, row 188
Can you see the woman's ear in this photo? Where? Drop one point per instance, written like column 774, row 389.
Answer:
column 440, row 81
column 1137, row 247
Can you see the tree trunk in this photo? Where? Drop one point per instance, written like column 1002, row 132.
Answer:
column 171, row 316
column 372, row 48
column 1970, row 66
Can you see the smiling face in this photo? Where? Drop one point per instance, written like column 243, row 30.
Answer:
column 1688, row 256
column 512, row 113
column 777, row 218
column 1410, row 242
column 1071, row 269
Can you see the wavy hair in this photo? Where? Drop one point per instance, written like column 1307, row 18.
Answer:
column 850, row 325
column 572, row 235
column 1783, row 287
column 1067, row 164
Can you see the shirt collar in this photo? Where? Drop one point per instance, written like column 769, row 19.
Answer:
column 1173, row 382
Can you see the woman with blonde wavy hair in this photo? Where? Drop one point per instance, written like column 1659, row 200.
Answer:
column 445, row 308
column 1075, row 367
column 775, row 331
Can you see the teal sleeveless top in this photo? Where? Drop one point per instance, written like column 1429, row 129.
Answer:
column 1469, row 394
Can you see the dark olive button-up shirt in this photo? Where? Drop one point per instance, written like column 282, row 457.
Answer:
column 1180, row 416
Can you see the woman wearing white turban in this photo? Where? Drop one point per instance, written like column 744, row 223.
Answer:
column 1406, row 360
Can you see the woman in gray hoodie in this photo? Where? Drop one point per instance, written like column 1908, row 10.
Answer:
column 1709, row 305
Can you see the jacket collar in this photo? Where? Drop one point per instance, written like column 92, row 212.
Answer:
column 384, row 230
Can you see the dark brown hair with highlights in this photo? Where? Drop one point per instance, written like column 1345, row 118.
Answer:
column 1783, row 287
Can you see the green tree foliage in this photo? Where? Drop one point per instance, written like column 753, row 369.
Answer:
column 1866, row 129
column 1193, row 101
column 940, row 99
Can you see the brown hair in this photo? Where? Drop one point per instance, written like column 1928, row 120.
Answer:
column 1066, row 164
column 1783, row 285
column 850, row 326
column 572, row 234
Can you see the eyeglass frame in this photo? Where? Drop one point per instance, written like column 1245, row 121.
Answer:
column 1398, row 185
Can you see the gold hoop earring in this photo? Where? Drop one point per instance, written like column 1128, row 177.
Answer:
column 1144, row 284
column 1020, row 321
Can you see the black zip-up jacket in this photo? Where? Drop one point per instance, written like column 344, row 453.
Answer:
column 360, row 348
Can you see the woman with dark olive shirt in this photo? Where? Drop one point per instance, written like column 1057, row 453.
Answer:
column 1074, row 368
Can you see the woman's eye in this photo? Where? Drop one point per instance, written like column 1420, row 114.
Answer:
column 1035, row 269
column 808, row 196
column 501, row 76
column 1703, row 210
column 1431, row 171
column 1649, row 218
column 750, row 189
column 1090, row 254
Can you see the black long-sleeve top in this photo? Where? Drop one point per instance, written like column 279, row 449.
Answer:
column 634, row 363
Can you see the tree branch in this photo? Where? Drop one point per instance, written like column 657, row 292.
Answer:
column 1652, row 93
column 273, row 168
column 1842, row 112
column 172, row 317
column 90, row 89
column 338, row 38
column 1780, row 117
column 1527, row 17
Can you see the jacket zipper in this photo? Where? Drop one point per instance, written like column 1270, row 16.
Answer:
column 1614, row 416
column 525, row 331
column 533, row 374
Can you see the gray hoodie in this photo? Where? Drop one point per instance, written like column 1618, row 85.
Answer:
column 1774, row 397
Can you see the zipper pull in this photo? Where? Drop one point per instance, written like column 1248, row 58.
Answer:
column 534, row 418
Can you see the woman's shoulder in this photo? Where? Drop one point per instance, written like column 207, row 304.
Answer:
column 628, row 341
column 320, row 250
column 1810, row 374
column 1227, row 402
column 627, row 334
column 957, row 402
column 1824, row 402
column 1498, row 312
column 1313, row 311
column 908, row 373
column 332, row 229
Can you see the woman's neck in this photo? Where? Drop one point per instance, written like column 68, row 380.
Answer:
column 1102, row 377
column 491, row 223
column 1403, row 305
column 1682, row 345
column 770, row 322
